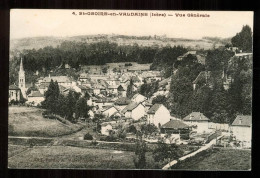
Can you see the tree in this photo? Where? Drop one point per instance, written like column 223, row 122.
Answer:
column 160, row 99
column 130, row 89
column 70, row 102
column 140, row 150
column 51, row 97
column 81, row 109
column 243, row 40
column 166, row 152
column 147, row 129
column 97, row 119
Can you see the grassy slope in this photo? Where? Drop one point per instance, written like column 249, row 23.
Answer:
column 215, row 159
column 25, row 121
column 73, row 157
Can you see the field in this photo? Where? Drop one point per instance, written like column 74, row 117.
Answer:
column 72, row 157
column 24, row 121
column 218, row 159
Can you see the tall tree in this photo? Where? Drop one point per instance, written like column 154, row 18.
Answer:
column 81, row 109
column 140, row 151
column 243, row 39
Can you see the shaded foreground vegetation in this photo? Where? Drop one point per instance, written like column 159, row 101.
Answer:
column 73, row 157
column 218, row 159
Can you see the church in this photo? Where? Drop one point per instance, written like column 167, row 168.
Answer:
column 17, row 92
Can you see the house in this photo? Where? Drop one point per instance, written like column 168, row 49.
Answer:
column 158, row 115
column 106, row 128
column 121, row 91
column 14, row 93
column 43, row 88
column 83, row 77
column 242, row 129
column 122, row 102
column 113, row 81
column 134, row 111
column 138, row 98
column 198, row 121
column 61, row 80
column 97, row 89
column 139, row 67
column 109, row 111
column 112, row 89
column 93, row 69
column 35, row 98
column 175, row 126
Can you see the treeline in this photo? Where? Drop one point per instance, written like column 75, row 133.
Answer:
column 210, row 97
column 81, row 53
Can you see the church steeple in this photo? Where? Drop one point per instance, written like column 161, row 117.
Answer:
column 21, row 66
column 21, row 76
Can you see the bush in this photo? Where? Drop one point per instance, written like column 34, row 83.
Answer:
column 88, row 136
column 111, row 138
column 131, row 129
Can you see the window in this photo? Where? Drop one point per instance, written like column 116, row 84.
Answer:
column 12, row 93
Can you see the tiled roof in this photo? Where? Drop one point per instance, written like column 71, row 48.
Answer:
column 36, row 94
column 175, row 124
column 130, row 107
column 14, row 87
column 59, row 79
column 243, row 120
column 154, row 108
column 122, row 101
column 195, row 116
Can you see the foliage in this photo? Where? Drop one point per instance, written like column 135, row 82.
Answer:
column 160, row 99
column 140, row 150
column 132, row 129
column 130, row 89
column 243, row 40
column 88, row 136
column 148, row 129
column 166, row 152
column 81, row 109
column 148, row 89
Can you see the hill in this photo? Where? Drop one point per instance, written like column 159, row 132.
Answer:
column 25, row 121
column 41, row 42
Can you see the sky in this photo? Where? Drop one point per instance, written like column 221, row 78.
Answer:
column 62, row 23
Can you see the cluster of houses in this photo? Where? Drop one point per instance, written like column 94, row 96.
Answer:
column 107, row 86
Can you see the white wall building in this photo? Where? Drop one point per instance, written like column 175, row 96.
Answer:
column 241, row 128
column 138, row 98
column 199, row 122
column 134, row 111
column 158, row 113
column 35, row 98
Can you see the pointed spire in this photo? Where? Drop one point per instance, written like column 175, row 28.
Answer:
column 21, row 65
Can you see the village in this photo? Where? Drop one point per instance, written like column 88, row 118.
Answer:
column 106, row 85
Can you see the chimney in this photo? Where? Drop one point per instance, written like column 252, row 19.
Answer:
column 49, row 75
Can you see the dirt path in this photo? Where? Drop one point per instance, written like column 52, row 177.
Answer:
column 205, row 147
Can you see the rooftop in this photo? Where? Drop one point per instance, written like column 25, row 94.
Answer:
column 195, row 116
column 154, row 108
column 130, row 107
column 36, row 94
column 175, row 124
column 59, row 79
column 243, row 120
column 122, row 101
column 14, row 87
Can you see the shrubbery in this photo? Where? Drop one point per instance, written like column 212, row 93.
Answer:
column 88, row 136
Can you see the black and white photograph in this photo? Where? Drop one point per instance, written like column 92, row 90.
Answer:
column 130, row 89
